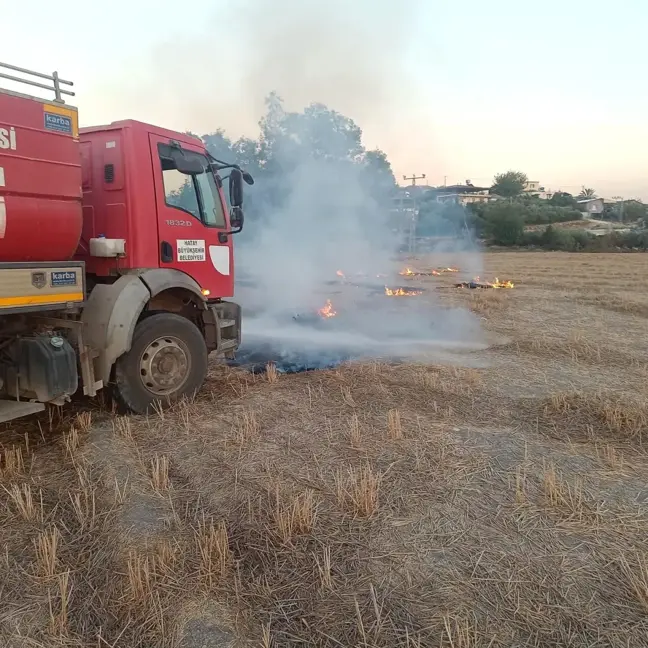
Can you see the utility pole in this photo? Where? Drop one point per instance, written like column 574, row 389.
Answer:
column 413, row 222
column 414, row 178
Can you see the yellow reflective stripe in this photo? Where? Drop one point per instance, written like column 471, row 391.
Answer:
column 32, row 300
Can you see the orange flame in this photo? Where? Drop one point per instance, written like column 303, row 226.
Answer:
column 495, row 284
column 339, row 273
column 436, row 272
column 327, row 310
column 401, row 292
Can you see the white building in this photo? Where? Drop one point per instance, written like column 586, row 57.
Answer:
column 534, row 188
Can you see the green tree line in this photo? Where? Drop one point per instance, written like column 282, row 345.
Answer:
column 504, row 221
column 289, row 140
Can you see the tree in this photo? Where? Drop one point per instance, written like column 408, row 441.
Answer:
column 218, row 144
column 446, row 219
column 632, row 210
column 586, row 193
column 184, row 197
column 308, row 161
column 319, row 133
column 564, row 199
column 376, row 161
column 247, row 153
column 377, row 173
column 509, row 184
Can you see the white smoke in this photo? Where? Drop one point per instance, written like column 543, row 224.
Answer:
column 321, row 215
column 329, row 219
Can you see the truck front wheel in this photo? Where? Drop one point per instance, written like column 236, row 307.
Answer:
column 167, row 360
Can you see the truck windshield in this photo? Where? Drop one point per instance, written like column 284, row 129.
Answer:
column 195, row 193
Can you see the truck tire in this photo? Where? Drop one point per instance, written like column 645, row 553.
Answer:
column 167, row 360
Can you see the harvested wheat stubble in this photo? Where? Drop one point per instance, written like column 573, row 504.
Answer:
column 370, row 504
column 594, row 415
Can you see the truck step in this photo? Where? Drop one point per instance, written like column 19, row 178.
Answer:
column 228, row 344
column 10, row 409
column 226, row 323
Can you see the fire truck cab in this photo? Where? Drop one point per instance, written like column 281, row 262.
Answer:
column 116, row 256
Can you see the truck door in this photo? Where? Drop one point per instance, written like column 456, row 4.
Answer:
column 191, row 216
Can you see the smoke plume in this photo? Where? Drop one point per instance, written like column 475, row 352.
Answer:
column 316, row 207
column 324, row 234
column 353, row 56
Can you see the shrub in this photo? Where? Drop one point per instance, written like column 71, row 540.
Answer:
column 532, row 210
column 531, row 239
column 635, row 239
column 557, row 239
column 554, row 238
column 581, row 240
column 505, row 225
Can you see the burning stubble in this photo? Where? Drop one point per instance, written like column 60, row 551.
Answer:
column 331, row 229
column 479, row 283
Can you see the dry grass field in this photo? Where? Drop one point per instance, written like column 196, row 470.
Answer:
column 369, row 505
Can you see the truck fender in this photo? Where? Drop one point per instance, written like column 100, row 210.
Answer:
column 110, row 316
column 160, row 279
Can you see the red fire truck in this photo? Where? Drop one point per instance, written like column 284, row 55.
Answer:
column 116, row 257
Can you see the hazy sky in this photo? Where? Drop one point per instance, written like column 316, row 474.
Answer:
column 465, row 89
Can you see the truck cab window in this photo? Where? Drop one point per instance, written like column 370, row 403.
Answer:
column 214, row 215
column 180, row 192
column 196, row 193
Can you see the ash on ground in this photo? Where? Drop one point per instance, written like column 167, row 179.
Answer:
column 324, row 328
column 351, row 328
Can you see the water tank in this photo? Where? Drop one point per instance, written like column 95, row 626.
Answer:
column 40, row 180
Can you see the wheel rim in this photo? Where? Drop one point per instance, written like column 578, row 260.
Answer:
column 165, row 365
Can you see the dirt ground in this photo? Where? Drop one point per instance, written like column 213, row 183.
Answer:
column 369, row 505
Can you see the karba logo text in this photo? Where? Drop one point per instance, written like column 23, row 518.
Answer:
column 58, row 123
column 8, row 138
column 58, row 120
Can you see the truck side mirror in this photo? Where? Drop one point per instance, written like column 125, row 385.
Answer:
column 188, row 164
column 236, row 188
column 236, row 219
